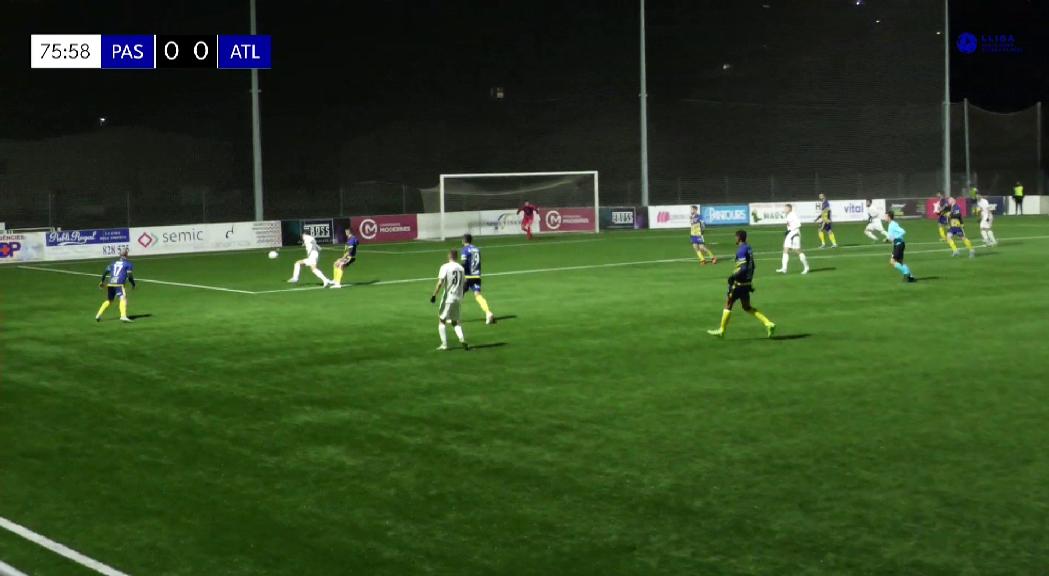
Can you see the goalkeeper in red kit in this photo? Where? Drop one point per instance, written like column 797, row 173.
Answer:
column 530, row 210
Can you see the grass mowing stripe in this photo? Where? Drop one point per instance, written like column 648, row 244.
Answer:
column 58, row 548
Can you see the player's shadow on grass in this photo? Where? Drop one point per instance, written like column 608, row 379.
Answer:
column 926, row 278
column 489, row 345
column 497, row 318
column 139, row 316
column 824, row 269
column 790, row 337
column 364, row 283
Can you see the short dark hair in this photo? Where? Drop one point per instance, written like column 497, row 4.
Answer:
column 468, row 238
column 741, row 235
column 891, row 215
column 453, row 254
column 694, row 207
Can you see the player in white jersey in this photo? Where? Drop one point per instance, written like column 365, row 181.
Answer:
column 874, row 225
column 452, row 277
column 792, row 242
column 986, row 221
column 313, row 252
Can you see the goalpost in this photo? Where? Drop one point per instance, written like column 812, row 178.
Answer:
column 567, row 201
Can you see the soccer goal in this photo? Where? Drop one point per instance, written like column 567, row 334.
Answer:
column 488, row 203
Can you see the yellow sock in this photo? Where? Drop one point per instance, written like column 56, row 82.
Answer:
column 943, row 233
column 833, row 240
column 724, row 318
column 484, row 304
column 337, row 275
column 968, row 244
column 102, row 309
column 950, row 242
column 822, row 240
column 123, row 308
column 700, row 256
column 761, row 317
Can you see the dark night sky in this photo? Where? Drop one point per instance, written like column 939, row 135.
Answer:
column 400, row 89
column 368, row 56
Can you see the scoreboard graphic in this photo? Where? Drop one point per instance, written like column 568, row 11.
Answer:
column 148, row 52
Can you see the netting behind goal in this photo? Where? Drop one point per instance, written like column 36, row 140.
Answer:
column 1003, row 150
column 567, row 201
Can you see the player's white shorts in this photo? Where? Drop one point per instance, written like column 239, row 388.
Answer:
column 311, row 258
column 985, row 224
column 875, row 227
column 450, row 311
column 792, row 241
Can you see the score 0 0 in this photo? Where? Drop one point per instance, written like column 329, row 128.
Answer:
column 187, row 51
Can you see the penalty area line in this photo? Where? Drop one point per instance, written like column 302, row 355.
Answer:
column 57, row 548
column 9, row 570
column 144, row 280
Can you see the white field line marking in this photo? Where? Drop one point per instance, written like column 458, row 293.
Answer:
column 300, row 289
column 485, row 246
column 146, row 280
column 59, row 549
column 9, row 570
column 771, row 257
column 883, row 250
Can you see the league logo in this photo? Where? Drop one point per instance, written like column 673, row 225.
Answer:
column 967, row 43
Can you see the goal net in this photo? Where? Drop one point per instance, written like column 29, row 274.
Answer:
column 1003, row 150
column 487, row 204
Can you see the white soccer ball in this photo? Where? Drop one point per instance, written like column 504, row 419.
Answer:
column 273, row 254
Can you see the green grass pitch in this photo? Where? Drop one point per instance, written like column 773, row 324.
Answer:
column 596, row 429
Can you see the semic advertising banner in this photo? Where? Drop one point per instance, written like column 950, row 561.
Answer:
column 205, row 237
column 385, row 228
column 567, row 220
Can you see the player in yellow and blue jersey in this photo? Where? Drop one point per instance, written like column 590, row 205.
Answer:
column 118, row 274
column 698, row 226
column 471, row 261
column 824, row 223
column 349, row 256
column 740, row 286
column 957, row 229
column 943, row 210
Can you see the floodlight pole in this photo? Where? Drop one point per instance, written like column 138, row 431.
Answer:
column 1038, row 147
column 644, row 115
column 256, row 131
column 968, row 173
column 946, row 97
